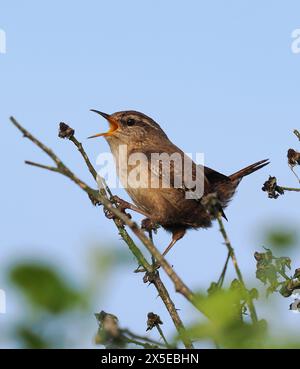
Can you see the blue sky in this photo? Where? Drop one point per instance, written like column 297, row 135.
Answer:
column 218, row 76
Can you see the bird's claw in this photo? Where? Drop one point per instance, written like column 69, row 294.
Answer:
column 120, row 204
column 109, row 214
column 148, row 225
column 94, row 200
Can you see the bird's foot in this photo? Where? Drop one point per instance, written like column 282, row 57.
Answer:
column 120, row 204
column 148, row 225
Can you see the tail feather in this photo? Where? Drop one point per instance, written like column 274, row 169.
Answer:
column 248, row 170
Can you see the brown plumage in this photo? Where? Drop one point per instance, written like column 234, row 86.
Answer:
column 168, row 207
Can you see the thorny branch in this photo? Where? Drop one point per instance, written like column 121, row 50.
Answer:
column 101, row 197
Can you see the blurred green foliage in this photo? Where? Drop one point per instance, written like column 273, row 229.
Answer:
column 229, row 325
column 31, row 339
column 281, row 237
column 44, row 288
column 244, row 295
column 226, row 325
column 51, row 298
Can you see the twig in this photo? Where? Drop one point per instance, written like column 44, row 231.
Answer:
column 85, row 157
column 163, row 293
column 42, row 166
column 236, row 266
column 283, row 274
column 134, row 336
column 290, row 189
column 145, row 345
column 101, row 198
column 162, row 335
column 222, row 276
column 295, row 174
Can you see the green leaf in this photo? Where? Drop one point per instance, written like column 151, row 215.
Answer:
column 282, row 238
column 272, row 270
column 220, row 307
column 30, row 339
column 225, row 325
column 212, row 288
column 253, row 293
column 44, row 288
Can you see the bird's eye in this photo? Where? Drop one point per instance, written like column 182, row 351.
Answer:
column 130, row 122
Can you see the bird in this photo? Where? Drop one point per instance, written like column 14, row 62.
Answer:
column 164, row 205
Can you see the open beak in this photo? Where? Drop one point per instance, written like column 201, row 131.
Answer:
column 113, row 124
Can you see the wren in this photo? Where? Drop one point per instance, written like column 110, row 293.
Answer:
column 165, row 205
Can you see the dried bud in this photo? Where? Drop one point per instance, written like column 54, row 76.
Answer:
column 297, row 133
column 293, row 157
column 109, row 332
column 109, row 323
column 150, row 276
column 297, row 273
column 272, row 188
column 153, row 321
column 65, row 131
